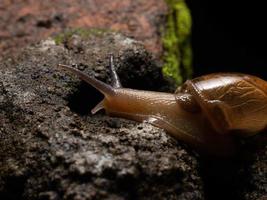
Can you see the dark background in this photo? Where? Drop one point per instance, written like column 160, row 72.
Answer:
column 229, row 36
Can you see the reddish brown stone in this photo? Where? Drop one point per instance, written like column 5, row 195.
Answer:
column 27, row 21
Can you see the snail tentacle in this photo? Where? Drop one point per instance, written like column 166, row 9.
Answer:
column 102, row 87
column 115, row 80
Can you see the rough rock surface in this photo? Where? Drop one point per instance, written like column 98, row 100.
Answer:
column 254, row 170
column 51, row 147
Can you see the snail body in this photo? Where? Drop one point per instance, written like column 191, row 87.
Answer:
column 205, row 112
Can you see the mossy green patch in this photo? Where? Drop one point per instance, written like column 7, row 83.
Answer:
column 60, row 38
column 176, row 42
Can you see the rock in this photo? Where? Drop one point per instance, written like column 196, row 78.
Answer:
column 30, row 21
column 51, row 147
column 241, row 177
column 163, row 26
column 254, row 169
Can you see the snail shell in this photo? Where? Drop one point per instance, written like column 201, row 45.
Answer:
column 231, row 102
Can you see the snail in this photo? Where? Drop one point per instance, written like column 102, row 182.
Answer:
column 207, row 112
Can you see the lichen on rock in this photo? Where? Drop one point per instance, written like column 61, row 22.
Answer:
column 176, row 42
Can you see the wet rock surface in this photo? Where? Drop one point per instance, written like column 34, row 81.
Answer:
column 51, row 147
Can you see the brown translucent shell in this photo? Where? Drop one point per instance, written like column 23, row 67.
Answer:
column 231, row 102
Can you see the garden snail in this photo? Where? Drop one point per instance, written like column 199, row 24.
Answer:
column 205, row 112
